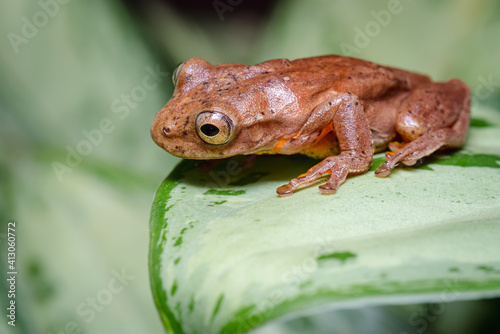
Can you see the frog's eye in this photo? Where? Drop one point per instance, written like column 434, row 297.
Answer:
column 214, row 127
column 177, row 72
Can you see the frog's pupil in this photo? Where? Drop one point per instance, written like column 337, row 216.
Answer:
column 209, row 130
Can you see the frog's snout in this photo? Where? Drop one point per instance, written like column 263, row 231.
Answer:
column 161, row 133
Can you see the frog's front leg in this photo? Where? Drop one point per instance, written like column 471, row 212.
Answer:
column 355, row 141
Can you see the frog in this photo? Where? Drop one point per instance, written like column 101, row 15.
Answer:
column 337, row 109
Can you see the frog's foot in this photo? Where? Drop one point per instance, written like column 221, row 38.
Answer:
column 396, row 146
column 434, row 116
column 337, row 166
column 409, row 153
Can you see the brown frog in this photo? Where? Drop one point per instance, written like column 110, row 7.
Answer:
column 335, row 108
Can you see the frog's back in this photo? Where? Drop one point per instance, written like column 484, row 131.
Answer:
column 344, row 74
column 332, row 63
column 324, row 64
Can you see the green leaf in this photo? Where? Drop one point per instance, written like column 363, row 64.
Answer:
column 479, row 123
column 417, row 235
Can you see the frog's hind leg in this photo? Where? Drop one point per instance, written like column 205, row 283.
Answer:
column 433, row 117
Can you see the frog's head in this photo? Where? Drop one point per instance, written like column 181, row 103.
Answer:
column 207, row 116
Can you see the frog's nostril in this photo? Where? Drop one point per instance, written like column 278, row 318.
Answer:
column 166, row 131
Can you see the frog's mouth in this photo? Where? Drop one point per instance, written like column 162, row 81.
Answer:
column 184, row 144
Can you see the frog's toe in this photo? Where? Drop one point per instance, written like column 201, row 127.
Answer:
column 285, row 190
column 383, row 171
column 409, row 161
column 328, row 188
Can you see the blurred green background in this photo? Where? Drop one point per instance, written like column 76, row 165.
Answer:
column 81, row 83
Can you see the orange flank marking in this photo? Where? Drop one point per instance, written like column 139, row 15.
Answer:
column 282, row 142
column 324, row 145
column 324, row 132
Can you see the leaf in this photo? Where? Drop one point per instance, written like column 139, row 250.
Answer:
column 248, row 257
